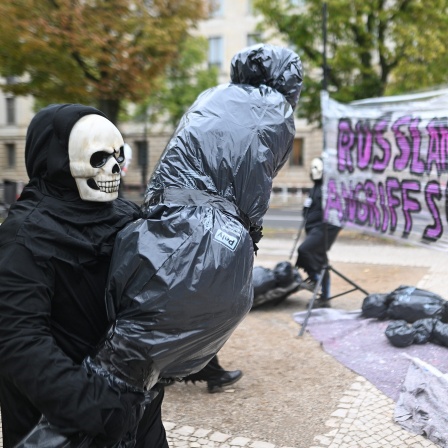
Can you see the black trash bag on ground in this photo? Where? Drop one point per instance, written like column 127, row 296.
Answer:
column 400, row 333
column 440, row 333
column 283, row 272
column 410, row 304
column 423, row 330
column 278, row 294
column 274, row 286
column 444, row 313
column 263, row 280
column 375, row 306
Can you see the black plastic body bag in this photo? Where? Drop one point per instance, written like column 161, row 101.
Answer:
column 180, row 279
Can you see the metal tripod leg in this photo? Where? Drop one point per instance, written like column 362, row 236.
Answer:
column 317, row 288
column 311, row 303
column 355, row 286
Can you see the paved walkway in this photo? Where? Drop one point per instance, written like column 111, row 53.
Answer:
column 363, row 419
column 364, row 415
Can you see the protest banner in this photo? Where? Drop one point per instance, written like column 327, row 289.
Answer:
column 386, row 166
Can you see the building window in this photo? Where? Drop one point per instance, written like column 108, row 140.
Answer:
column 215, row 52
column 216, row 8
column 11, row 80
column 10, row 110
column 296, row 157
column 142, row 153
column 253, row 38
column 11, row 155
column 250, row 7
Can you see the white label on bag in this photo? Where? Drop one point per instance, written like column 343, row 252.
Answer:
column 229, row 235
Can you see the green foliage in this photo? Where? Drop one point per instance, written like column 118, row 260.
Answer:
column 374, row 48
column 184, row 79
column 91, row 51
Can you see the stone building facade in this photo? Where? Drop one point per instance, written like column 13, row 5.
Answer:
column 231, row 27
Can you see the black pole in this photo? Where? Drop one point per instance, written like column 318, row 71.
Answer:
column 325, row 88
column 144, row 158
column 324, row 53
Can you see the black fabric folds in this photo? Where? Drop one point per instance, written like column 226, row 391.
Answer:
column 55, row 252
column 46, row 148
column 83, row 230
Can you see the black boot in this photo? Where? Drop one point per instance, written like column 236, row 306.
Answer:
column 225, row 378
column 215, row 376
column 321, row 303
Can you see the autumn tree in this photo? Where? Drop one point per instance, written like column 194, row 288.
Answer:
column 99, row 52
column 185, row 78
column 374, row 48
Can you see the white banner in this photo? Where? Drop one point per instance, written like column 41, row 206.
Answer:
column 386, row 166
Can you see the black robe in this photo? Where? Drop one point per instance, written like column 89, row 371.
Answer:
column 55, row 252
column 320, row 236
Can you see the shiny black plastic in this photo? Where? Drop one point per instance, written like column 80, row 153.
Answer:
column 181, row 277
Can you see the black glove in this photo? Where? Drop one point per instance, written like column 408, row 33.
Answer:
column 120, row 424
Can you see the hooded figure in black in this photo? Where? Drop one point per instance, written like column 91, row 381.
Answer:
column 55, row 250
column 320, row 236
column 181, row 277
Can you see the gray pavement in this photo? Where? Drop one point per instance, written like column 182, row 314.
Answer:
column 364, row 415
column 362, row 419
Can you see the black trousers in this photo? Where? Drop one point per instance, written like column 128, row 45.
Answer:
column 312, row 253
column 19, row 416
column 212, row 369
column 151, row 432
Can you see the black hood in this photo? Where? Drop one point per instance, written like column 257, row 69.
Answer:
column 276, row 67
column 46, row 149
column 50, row 218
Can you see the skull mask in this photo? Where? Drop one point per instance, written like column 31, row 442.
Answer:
column 317, row 169
column 96, row 153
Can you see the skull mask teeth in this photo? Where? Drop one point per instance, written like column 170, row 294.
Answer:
column 106, row 186
column 96, row 156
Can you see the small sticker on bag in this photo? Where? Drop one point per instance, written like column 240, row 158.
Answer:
column 229, row 235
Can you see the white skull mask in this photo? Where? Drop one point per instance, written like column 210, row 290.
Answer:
column 317, row 169
column 96, row 155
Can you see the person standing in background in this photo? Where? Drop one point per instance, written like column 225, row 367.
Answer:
column 320, row 236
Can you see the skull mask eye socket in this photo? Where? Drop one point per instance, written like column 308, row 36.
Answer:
column 100, row 158
column 120, row 158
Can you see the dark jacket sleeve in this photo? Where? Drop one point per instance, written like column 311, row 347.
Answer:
column 314, row 213
column 63, row 391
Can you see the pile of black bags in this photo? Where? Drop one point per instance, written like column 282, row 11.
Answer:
column 272, row 286
column 419, row 316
